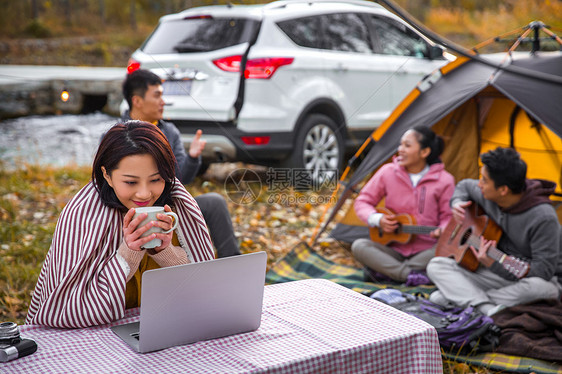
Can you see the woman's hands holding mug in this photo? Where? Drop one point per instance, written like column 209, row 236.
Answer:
column 137, row 235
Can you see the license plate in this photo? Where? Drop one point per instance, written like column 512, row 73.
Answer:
column 177, row 88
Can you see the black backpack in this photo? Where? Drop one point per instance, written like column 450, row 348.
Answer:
column 459, row 329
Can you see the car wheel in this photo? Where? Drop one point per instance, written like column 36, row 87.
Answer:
column 318, row 148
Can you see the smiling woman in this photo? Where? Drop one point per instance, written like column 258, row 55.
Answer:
column 135, row 184
column 416, row 185
column 93, row 269
column 134, row 164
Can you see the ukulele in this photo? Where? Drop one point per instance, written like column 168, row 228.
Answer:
column 403, row 234
column 457, row 238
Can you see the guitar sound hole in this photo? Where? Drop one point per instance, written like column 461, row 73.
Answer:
column 466, row 235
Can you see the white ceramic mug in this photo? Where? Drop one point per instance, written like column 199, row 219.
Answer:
column 151, row 212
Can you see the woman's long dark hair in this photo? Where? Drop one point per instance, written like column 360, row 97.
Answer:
column 427, row 138
column 128, row 139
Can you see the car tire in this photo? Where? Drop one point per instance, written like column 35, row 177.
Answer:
column 319, row 148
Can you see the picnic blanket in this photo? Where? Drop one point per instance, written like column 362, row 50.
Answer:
column 304, row 263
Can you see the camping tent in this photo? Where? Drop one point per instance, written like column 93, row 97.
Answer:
column 476, row 106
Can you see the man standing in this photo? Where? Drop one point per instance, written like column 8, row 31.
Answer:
column 143, row 91
column 530, row 231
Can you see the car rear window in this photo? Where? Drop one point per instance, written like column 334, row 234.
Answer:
column 200, row 34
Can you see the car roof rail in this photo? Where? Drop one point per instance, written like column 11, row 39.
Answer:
column 284, row 3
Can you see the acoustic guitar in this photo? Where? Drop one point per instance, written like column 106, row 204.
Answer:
column 403, row 234
column 457, row 238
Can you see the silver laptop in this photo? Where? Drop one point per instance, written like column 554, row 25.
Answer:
column 199, row 301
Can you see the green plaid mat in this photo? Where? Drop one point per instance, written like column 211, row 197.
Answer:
column 304, row 263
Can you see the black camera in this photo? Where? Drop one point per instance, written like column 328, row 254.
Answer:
column 12, row 345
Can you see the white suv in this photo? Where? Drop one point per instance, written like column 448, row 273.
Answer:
column 291, row 83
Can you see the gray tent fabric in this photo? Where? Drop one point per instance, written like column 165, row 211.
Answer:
column 349, row 233
column 540, row 98
column 444, row 96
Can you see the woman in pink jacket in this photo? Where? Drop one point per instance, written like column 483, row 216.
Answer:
column 417, row 184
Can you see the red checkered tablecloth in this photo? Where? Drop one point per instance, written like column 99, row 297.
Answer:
column 308, row 326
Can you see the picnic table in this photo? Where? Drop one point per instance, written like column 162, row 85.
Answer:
column 307, row 326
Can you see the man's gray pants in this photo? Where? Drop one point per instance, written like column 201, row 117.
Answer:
column 216, row 214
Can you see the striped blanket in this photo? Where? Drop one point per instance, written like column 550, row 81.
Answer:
column 304, row 263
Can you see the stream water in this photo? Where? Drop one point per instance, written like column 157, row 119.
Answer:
column 52, row 140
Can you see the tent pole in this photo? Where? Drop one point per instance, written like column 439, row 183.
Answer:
column 517, row 42
column 389, row 4
column 553, row 35
column 344, row 196
column 495, row 38
column 317, row 233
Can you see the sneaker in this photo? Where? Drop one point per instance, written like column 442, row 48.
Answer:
column 417, row 278
column 437, row 297
column 495, row 310
column 391, row 296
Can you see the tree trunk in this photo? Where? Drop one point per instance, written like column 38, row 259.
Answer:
column 34, row 9
column 133, row 15
column 67, row 12
column 102, row 11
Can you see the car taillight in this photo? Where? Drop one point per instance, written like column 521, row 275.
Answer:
column 132, row 65
column 263, row 68
column 231, row 63
column 258, row 68
column 255, row 140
